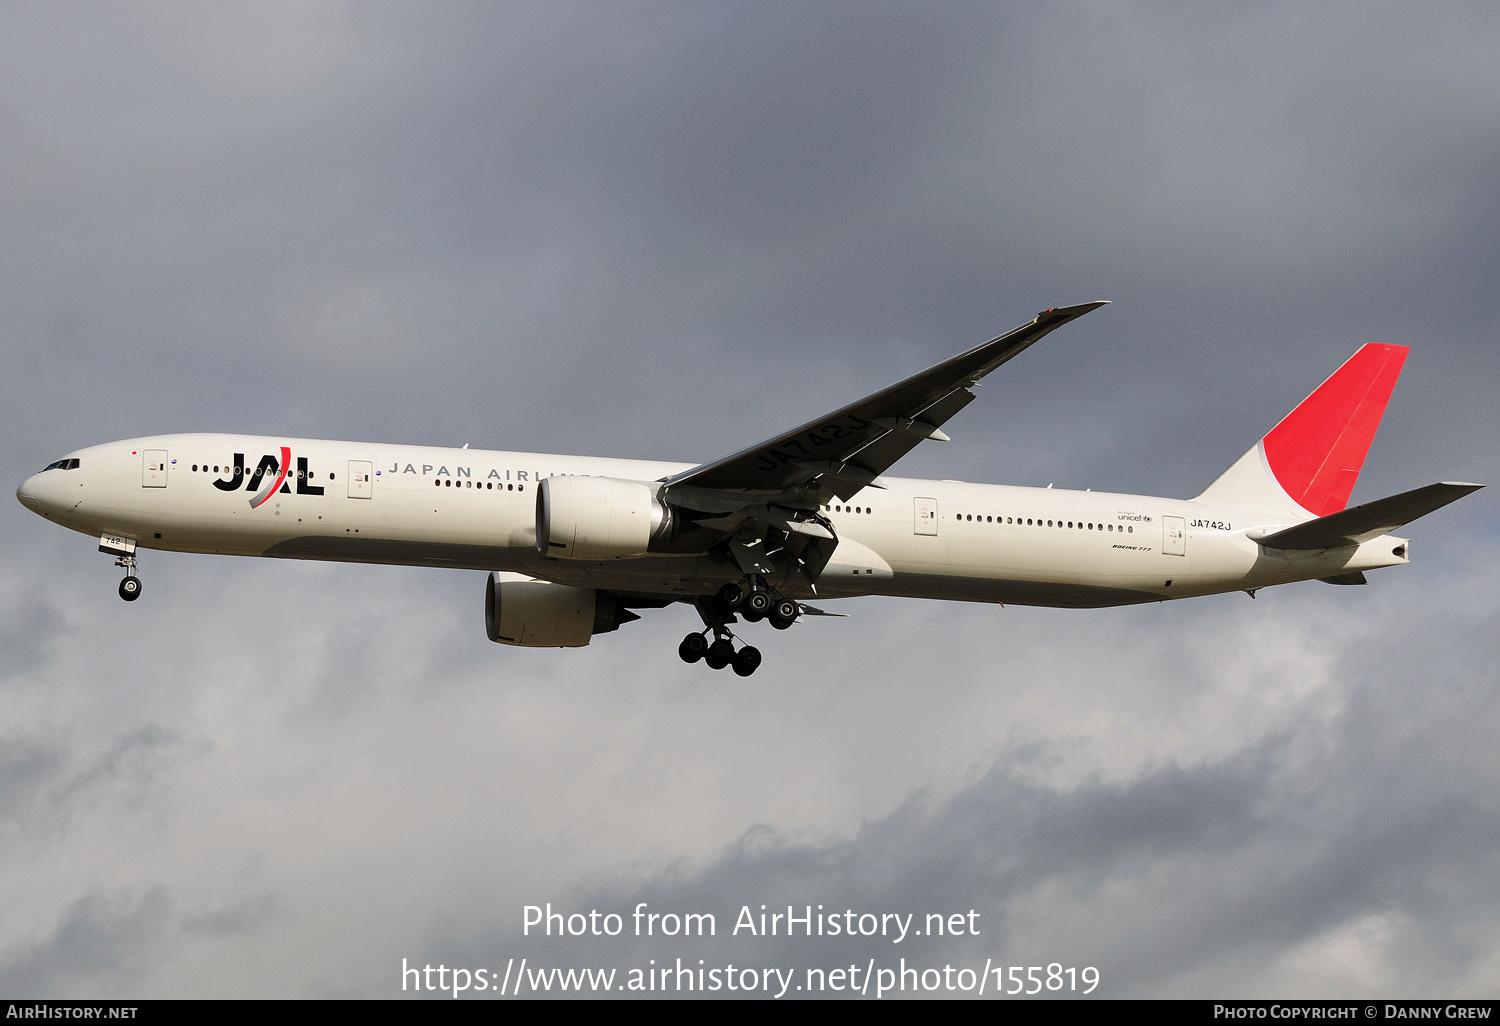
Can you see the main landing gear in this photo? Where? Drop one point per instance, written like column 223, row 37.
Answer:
column 758, row 602
column 754, row 601
column 720, row 653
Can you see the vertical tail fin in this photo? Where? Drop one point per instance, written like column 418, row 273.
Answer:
column 1307, row 464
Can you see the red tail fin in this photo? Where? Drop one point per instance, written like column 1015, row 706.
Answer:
column 1308, row 463
column 1317, row 450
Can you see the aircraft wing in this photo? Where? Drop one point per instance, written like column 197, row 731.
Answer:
column 847, row 450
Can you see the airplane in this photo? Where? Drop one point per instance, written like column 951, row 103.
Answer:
column 574, row 545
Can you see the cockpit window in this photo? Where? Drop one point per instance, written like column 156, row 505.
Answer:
column 67, row 464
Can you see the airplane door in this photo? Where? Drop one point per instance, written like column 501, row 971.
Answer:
column 361, row 479
column 925, row 516
column 1173, row 536
column 154, row 468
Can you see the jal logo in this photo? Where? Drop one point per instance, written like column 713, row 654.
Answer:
column 268, row 467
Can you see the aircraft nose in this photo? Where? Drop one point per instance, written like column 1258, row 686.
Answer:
column 29, row 495
column 41, row 495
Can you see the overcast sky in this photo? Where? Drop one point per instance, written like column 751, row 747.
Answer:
column 667, row 231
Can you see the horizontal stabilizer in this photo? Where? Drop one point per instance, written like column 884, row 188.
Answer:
column 808, row 610
column 1371, row 520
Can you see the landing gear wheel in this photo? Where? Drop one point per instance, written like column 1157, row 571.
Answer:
column 693, row 648
column 758, row 602
column 130, row 589
column 720, row 653
column 751, row 616
column 730, row 597
column 784, row 614
column 746, row 660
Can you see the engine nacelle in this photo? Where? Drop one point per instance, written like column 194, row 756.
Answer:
column 597, row 518
column 519, row 610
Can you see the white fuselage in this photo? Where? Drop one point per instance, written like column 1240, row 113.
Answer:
column 476, row 509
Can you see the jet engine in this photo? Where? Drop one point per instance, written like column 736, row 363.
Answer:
column 598, row 518
column 519, row 610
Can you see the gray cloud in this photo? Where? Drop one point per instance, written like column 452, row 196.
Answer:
column 1179, row 879
column 97, row 946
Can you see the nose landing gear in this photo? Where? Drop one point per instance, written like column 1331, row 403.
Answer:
column 130, row 587
column 123, row 549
